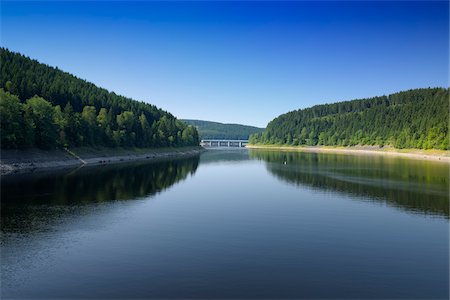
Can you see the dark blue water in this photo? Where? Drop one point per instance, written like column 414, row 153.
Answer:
column 233, row 224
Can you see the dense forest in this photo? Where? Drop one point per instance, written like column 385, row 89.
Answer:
column 44, row 107
column 416, row 118
column 215, row 130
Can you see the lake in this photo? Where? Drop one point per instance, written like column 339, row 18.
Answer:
column 230, row 224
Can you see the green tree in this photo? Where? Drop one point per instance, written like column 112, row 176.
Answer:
column 146, row 130
column 125, row 121
column 190, row 136
column 89, row 124
column 42, row 114
column 10, row 120
column 61, row 124
column 322, row 138
column 102, row 118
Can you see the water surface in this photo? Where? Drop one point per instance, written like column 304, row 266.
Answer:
column 230, row 224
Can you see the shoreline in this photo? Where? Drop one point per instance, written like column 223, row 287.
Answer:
column 442, row 156
column 34, row 160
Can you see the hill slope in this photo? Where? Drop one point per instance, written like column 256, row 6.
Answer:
column 44, row 107
column 215, row 130
column 416, row 118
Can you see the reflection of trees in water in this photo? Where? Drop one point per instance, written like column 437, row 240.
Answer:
column 228, row 156
column 416, row 186
column 35, row 201
column 97, row 184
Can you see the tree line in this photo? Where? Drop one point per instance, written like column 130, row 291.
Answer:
column 215, row 130
column 44, row 107
column 416, row 118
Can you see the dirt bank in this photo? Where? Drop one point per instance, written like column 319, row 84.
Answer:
column 31, row 160
column 434, row 155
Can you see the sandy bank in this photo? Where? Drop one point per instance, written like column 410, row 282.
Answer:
column 31, row 160
column 434, row 155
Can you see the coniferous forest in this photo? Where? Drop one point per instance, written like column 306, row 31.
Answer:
column 416, row 118
column 216, row 130
column 44, row 107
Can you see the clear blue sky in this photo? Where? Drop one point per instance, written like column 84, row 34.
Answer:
column 237, row 62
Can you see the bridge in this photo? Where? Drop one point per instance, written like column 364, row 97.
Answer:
column 223, row 143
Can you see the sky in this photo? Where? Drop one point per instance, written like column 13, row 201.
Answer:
column 237, row 62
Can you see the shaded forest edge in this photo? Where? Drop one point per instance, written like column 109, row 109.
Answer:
column 43, row 107
column 413, row 119
column 32, row 160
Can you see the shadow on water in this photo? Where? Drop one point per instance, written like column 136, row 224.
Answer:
column 22, row 194
column 411, row 185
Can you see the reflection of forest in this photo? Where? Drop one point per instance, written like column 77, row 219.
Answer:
column 412, row 185
column 226, row 156
column 96, row 184
column 23, row 194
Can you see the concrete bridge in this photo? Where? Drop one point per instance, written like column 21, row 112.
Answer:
column 223, row 143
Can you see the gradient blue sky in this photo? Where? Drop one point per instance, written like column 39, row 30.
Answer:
column 237, row 62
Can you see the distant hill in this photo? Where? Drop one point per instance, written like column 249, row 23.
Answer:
column 410, row 119
column 215, row 130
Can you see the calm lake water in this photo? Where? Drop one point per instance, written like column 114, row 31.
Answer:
column 230, row 224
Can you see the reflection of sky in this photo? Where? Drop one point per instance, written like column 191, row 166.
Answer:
column 242, row 62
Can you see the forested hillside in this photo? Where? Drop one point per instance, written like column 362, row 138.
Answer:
column 411, row 119
column 215, row 130
column 44, row 107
